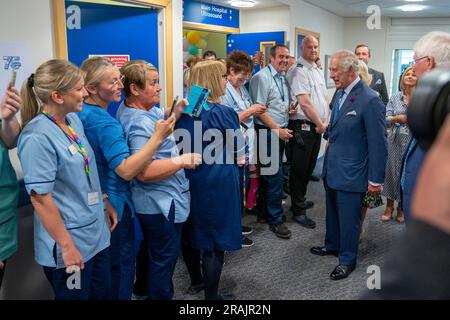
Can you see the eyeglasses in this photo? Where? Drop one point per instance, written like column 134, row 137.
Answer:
column 116, row 82
column 415, row 60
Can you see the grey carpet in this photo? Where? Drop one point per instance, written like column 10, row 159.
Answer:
column 280, row 269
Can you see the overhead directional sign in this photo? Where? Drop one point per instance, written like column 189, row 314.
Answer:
column 211, row 14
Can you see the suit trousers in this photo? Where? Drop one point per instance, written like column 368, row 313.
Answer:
column 302, row 160
column 343, row 223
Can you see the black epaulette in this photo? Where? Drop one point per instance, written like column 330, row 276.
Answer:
column 299, row 65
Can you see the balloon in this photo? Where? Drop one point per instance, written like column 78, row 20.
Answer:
column 193, row 50
column 185, row 44
column 202, row 44
column 193, row 37
column 204, row 34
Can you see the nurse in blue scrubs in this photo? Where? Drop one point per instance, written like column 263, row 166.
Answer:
column 214, row 224
column 116, row 167
column 160, row 192
column 239, row 69
column 60, row 174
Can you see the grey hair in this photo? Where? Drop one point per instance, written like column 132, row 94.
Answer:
column 347, row 60
column 435, row 44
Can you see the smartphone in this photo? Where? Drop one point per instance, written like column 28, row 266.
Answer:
column 13, row 77
column 175, row 101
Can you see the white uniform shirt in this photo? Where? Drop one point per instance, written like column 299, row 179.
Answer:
column 307, row 78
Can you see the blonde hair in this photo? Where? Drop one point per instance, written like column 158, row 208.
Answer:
column 135, row 71
column 363, row 72
column 53, row 75
column 402, row 78
column 95, row 69
column 208, row 74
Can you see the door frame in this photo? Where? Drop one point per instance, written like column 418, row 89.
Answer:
column 60, row 35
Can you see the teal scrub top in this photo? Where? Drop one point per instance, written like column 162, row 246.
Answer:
column 9, row 192
column 50, row 166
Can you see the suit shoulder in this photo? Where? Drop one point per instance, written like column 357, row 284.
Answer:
column 370, row 93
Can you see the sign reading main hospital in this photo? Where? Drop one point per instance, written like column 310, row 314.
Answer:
column 210, row 14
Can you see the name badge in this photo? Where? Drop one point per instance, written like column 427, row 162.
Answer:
column 306, row 127
column 73, row 150
column 93, row 198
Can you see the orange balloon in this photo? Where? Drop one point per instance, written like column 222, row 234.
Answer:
column 193, row 37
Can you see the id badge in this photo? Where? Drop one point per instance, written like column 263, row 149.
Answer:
column 306, row 127
column 72, row 149
column 93, row 198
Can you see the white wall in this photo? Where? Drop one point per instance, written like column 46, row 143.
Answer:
column 395, row 33
column 356, row 32
column 177, row 60
column 265, row 20
column 29, row 22
column 309, row 17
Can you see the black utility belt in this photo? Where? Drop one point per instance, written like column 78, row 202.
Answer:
column 302, row 121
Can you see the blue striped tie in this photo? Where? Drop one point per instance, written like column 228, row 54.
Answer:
column 336, row 107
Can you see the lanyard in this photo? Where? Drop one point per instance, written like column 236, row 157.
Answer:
column 246, row 100
column 280, row 90
column 73, row 137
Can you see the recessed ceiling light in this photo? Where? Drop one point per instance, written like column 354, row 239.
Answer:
column 242, row 3
column 412, row 7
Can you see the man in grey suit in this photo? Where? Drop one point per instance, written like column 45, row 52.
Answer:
column 378, row 84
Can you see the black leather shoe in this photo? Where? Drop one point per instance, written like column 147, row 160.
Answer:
column 304, row 221
column 194, row 289
column 322, row 251
column 341, row 272
column 305, row 205
column 314, row 178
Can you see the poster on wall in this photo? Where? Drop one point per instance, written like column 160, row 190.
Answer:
column 118, row 59
column 15, row 56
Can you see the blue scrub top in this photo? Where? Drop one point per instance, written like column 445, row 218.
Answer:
column 107, row 139
column 154, row 197
column 50, row 167
column 240, row 103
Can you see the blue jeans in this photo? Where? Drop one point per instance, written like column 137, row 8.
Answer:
column 123, row 257
column 95, row 282
column 271, row 188
column 162, row 241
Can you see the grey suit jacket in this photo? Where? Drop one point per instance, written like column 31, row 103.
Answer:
column 379, row 84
